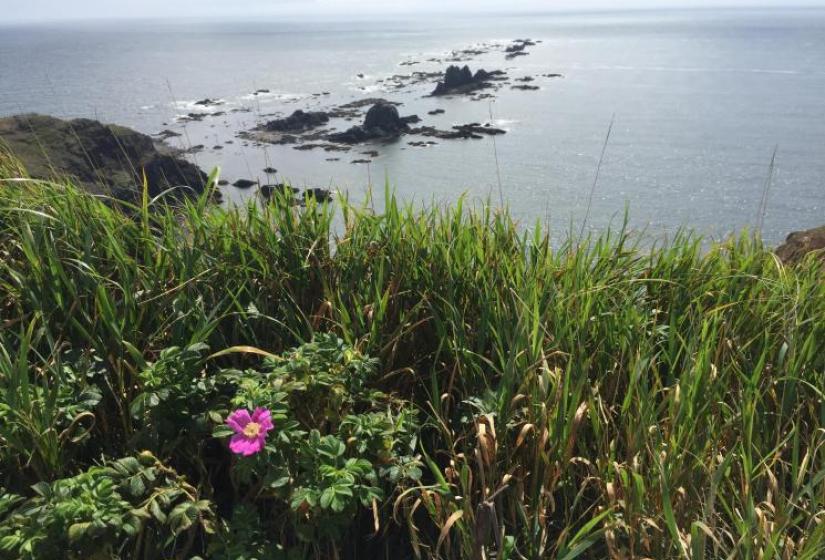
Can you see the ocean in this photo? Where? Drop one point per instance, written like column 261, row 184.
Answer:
column 698, row 101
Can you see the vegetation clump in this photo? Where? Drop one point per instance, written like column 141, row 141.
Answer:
column 440, row 384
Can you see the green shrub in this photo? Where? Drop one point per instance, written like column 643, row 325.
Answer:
column 133, row 506
column 339, row 449
column 612, row 397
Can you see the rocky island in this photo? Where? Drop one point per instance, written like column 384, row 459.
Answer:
column 461, row 80
column 298, row 121
column 382, row 122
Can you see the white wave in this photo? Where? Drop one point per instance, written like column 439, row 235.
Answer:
column 192, row 105
column 368, row 88
column 503, row 123
column 274, row 95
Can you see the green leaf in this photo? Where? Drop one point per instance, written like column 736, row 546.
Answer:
column 279, row 482
column 157, row 512
column 136, row 486
column 327, row 496
column 77, row 531
column 222, row 431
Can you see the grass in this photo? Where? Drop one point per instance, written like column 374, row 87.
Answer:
column 596, row 400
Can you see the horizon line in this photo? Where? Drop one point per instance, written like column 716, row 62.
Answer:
column 365, row 16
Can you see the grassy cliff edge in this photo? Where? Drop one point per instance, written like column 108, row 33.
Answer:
column 443, row 385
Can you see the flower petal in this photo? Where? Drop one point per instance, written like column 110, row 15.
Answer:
column 259, row 414
column 244, row 446
column 263, row 417
column 238, row 420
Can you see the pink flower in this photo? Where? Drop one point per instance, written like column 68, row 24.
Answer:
column 250, row 430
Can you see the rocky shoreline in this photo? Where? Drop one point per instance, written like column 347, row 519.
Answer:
column 800, row 243
column 113, row 160
column 103, row 158
column 119, row 156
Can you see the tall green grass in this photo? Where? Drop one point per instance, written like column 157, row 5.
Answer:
column 599, row 399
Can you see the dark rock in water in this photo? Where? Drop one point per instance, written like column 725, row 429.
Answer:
column 360, row 76
column 217, row 147
column 382, row 122
column 463, row 131
column 270, row 170
column 321, row 195
column 244, row 183
column 336, row 148
column 223, row 183
column 436, row 112
column 333, row 159
column 462, row 80
column 359, row 161
column 476, row 128
column 526, row 79
column 197, row 148
column 371, row 153
column 518, row 48
column 196, row 117
column 385, row 117
column 454, row 77
column 164, row 134
column 525, row 87
column 209, row 102
column 553, row 75
column 260, row 91
column 800, row 243
column 352, row 109
column 268, row 190
column 354, row 135
column 104, row 159
column 298, row 121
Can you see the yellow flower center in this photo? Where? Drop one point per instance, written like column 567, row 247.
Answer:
column 252, row 430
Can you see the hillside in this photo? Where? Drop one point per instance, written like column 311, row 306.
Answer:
column 104, row 159
column 199, row 382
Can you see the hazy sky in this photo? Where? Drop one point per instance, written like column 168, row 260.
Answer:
column 44, row 10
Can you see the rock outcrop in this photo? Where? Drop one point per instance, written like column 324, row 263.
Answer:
column 268, row 191
column 518, row 48
column 460, row 80
column 244, row 183
column 104, row 159
column 800, row 243
column 208, row 102
column 382, row 122
column 474, row 131
column 299, row 121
